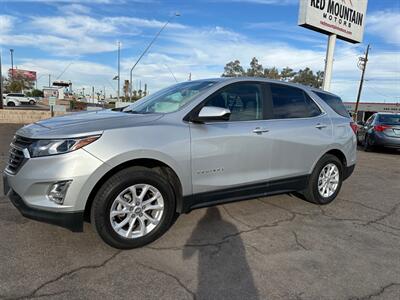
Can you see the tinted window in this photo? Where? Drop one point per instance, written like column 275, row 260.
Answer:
column 389, row 119
column 243, row 100
column 15, row 95
column 335, row 103
column 292, row 102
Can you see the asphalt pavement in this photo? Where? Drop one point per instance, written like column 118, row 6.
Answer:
column 267, row 248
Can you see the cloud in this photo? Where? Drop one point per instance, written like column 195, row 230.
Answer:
column 6, row 23
column 386, row 25
column 75, row 8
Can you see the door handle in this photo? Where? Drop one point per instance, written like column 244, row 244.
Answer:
column 320, row 126
column 259, row 130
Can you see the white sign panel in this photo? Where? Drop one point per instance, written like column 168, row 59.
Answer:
column 52, row 101
column 345, row 18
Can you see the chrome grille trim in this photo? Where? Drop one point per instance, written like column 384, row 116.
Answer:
column 18, row 154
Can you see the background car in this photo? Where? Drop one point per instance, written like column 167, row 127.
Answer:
column 10, row 101
column 22, row 98
column 381, row 129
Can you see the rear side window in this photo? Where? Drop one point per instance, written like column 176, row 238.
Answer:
column 291, row 102
column 335, row 103
column 389, row 119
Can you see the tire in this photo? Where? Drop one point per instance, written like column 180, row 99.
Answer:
column 312, row 193
column 105, row 201
column 31, row 102
column 367, row 144
column 11, row 104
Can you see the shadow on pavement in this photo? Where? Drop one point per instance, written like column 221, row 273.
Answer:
column 223, row 271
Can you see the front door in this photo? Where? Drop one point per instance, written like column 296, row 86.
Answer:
column 232, row 153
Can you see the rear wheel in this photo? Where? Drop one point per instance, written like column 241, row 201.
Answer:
column 325, row 181
column 367, row 143
column 133, row 208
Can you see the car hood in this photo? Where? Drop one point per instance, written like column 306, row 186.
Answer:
column 83, row 124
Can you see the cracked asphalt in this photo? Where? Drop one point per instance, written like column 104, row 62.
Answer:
column 268, row 248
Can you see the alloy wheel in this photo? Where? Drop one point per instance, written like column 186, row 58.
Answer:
column 328, row 180
column 136, row 211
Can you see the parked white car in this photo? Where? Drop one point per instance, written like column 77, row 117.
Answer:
column 21, row 98
column 10, row 101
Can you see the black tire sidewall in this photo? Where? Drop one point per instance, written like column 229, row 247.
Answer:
column 110, row 190
column 327, row 159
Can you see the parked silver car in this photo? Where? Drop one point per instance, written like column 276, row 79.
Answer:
column 132, row 171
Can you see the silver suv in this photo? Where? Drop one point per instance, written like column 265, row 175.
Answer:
column 132, row 171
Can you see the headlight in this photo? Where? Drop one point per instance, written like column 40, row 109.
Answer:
column 53, row 147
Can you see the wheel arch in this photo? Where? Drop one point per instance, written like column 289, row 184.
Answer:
column 161, row 167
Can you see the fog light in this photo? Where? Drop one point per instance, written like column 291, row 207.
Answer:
column 58, row 191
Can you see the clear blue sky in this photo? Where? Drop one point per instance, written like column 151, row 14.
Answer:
column 50, row 36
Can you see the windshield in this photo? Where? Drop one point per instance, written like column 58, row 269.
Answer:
column 389, row 119
column 169, row 99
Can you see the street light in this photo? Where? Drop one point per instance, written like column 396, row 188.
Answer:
column 145, row 50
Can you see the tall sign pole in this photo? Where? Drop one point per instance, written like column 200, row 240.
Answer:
column 12, row 63
column 362, row 64
column 329, row 62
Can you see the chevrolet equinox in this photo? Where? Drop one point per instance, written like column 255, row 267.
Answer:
column 132, row 171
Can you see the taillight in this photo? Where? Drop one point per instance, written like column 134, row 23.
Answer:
column 381, row 128
column 354, row 127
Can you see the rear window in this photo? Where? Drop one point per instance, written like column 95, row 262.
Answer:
column 335, row 103
column 389, row 119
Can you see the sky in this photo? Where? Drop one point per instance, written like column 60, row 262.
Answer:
column 77, row 40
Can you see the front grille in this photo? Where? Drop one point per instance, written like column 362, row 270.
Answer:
column 17, row 157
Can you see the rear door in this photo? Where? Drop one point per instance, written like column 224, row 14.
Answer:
column 299, row 131
column 231, row 153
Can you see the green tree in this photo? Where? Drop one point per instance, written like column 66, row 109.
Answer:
column 18, row 84
column 287, row 74
column 272, row 73
column 307, row 77
column 233, row 69
column 256, row 69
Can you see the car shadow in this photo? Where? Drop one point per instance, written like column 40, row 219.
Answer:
column 223, row 271
column 381, row 150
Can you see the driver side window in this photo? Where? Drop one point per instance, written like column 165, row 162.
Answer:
column 244, row 100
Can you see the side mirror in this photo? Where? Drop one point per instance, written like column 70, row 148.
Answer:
column 212, row 113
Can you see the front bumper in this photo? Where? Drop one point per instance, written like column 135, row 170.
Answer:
column 70, row 220
column 28, row 188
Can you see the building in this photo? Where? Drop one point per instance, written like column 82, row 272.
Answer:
column 366, row 109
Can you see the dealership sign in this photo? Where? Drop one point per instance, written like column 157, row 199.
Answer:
column 345, row 18
column 25, row 74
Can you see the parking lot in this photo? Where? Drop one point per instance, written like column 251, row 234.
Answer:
column 268, row 248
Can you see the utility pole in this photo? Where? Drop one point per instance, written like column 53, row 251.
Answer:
column 119, row 70
column 49, row 80
column 1, row 84
column 362, row 65
column 93, row 94
column 12, row 63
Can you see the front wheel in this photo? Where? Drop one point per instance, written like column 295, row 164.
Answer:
column 133, row 208
column 325, row 181
column 31, row 102
column 11, row 104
